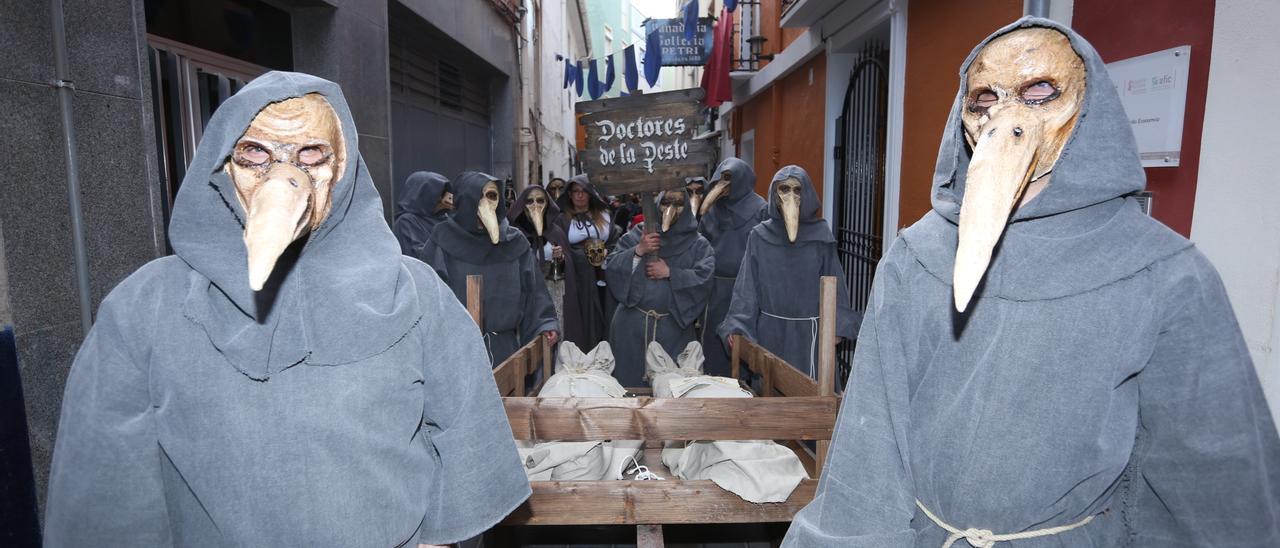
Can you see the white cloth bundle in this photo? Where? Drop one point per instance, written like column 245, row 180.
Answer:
column 580, row 375
column 757, row 471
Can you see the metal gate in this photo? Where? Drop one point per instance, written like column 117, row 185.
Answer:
column 860, row 180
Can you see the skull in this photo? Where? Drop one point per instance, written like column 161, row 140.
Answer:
column 535, row 207
column 671, row 204
column 1023, row 97
column 718, row 190
column 283, row 168
column 555, row 188
column 487, row 210
column 595, row 252
column 789, row 205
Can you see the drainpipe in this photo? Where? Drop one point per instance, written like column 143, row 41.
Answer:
column 65, row 88
column 1038, row 8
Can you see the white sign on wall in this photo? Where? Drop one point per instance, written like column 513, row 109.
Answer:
column 1153, row 89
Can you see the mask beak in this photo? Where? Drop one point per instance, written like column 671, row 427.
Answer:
column 669, row 214
column 715, row 194
column 694, row 202
column 278, row 216
column 535, row 215
column 999, row 171
column 791, row 217
column 488, row 213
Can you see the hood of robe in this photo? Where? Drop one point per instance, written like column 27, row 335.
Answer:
column 742, row 202
column 1085, row 210
column 519, row 217
column 338, row 295
column 464, row 237
column 812, row 227
column 565, row 202
column 422, row 191
column 682, row 233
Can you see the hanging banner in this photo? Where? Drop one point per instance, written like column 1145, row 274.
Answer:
column 678, row 51
column 1153, row 90
column 644, row 143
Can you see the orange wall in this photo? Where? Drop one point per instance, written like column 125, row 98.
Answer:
column 788, row 119
column 940, row 34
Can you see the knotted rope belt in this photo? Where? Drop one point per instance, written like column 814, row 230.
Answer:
column 984, row 538
column 651, row 316
column 813, row 335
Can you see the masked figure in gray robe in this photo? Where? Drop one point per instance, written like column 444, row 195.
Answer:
column 776, row 298
column 477, row 240
column 424, row 203
column 287, row 378
column 1083, row 382
column 729, row 212
column 659, row 299
column 534, row 213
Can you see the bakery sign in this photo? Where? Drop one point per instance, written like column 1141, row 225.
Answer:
column 644, row 143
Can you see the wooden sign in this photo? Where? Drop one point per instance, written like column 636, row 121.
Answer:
column 644, row 143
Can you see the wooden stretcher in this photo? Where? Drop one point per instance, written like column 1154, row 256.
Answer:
column 792, row 409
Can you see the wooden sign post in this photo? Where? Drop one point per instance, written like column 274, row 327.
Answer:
column 645, row 144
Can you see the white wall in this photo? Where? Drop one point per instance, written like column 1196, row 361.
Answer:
column 555, row 105
column 1237, row 209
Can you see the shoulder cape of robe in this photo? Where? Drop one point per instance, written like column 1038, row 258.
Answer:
column 1099, row 372
column 348, row 403
column 517, row 305
column 662, row 310
column 726, row 226
column 777, row 295
column 416, row 213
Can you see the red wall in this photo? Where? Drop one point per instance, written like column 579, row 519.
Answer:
column 1119, row 30
column 789, row 119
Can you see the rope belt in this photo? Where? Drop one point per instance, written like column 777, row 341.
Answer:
column 655, row 317
column 813, row 335
column 983, row 538
column 488, row 345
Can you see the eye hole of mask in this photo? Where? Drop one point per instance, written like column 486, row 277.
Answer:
column 536, row 201
column 252, row 154
column 312, row 155
column 1039, row 93
column 491, row 195
column 982, row 100
column 783, row 190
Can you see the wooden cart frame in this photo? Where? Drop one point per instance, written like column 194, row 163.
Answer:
column 793, row 408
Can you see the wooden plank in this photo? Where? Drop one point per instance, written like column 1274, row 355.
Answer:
column 802, row 418
column 735, row 356
column 649, row 502
column 649, row 536
column 546, row 359
column 520, row 361
column 789, row 381
column 827, row 337
column 475, row 299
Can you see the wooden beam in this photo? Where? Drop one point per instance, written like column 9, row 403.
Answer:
column 735, row 356
column 800, row 418
column 649, row 536
column 546, row 359
column 827, row 337
column 475, row 299
column 628, row 502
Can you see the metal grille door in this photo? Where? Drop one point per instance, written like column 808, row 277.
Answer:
column 860, row 181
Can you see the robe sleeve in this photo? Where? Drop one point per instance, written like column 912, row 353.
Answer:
column 865, row 496
column 744, row 304
column 1206, row 467
column 539, row 312
column 848, row 320
column 479, row 478
column 691, row 287
column 626, row 283
column 105, row 486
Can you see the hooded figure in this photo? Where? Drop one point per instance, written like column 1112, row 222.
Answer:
column 477, row 239
column 588, row 306
column 425, row 203
column 728, row 213
column 791, row 249
column 534, row 213
column 1096, row 390
column 659, row 299
column 345, row 402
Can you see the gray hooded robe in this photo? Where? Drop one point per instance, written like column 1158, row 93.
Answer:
column 726, row 226
column 416, row 213
column 657, row 310
column 517, row 304
column 346, row 404
column 777, row 296
column 1098, row 372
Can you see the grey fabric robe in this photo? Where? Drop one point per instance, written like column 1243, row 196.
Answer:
column 517, row 304
column 681, row 298
column 552, row 231
column 727, row 225
column 346, row 404
column 1098, row 372
column 777, row 296
column 416, row 213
